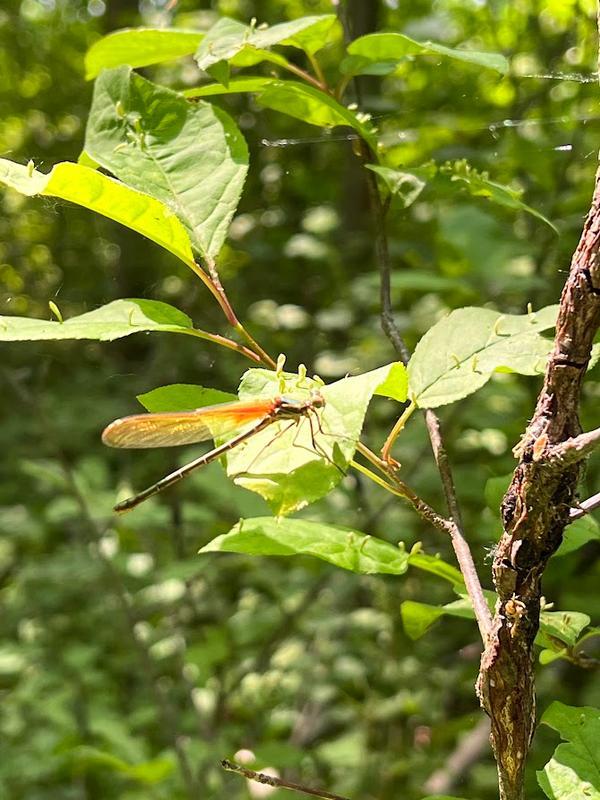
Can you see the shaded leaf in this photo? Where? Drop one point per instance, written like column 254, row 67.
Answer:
column 112, row 321
column 395, row 47
column 182, row 397
column 407, row 185
column 85, row 758
column 245, row 83
column 139, row 47
column 478, row 184
column 573, row 772
column 309, row 104
column 191, row 157
column 91, row 189
column 458, row 355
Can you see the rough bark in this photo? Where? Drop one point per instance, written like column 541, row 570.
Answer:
column 535, row 512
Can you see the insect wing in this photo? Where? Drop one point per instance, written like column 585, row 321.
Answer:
column 173, row 428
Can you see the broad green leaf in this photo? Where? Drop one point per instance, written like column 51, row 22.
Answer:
column 191, row 157
column 573, row 772
column 292, row 464
column 395, row 385
column 183, row 397
column 343, row 547
column 268, row 536
column 91, row 189
column 85, row 758
column 230, row 40
column 459, row 354
column 478, row 185
column 394, row 47
column 309, row 104
column 112, row 321
column 140, row 47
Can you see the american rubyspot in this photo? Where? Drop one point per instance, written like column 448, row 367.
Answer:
column 189, row 427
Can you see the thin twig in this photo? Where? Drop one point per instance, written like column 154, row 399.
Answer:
column 585, row 507
column 574, row 449
column 278, row 783
column 459, row 543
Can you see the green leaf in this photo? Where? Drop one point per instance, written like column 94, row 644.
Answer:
column 418, row 618
column 281, row 463
column 407, row 185
column 563, row 625
column 182, row 397
column 191, row 157
column 395, row 385
column 140, row 47
column 230, row 40
column 343, row 547
column 573, row 772
column 478, row 185
column 85, row 758
column 395, row 47
column 112, row 321
column 91, row 189
column 577, row 534
column 459, row 354
column 309, row 104
column 436, row 566
column 246, row 83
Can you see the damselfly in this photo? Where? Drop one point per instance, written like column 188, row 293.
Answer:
column 173, row 428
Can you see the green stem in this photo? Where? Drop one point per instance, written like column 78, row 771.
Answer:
column 397, row 430
column 223, row 341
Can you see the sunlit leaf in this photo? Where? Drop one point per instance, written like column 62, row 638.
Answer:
column 395, row 47
column 573, row 772
column 292, row 464
column 104, row 195
column 341, row 546
column 338, row 545
column 243, row 45
column 245, row 83
column 563, row 625
column 140, row 47
column 112, row 321
column 190, row 156
column 459, row 354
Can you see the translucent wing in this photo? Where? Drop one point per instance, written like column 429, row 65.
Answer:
column 174, row 428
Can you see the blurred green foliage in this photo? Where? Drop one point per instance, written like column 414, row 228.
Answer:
column 129, row 665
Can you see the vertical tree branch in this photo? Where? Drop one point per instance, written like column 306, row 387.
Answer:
column 536, row 509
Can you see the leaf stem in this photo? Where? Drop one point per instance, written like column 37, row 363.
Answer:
column 397, row 430
column 317, row 69
column 306, row 76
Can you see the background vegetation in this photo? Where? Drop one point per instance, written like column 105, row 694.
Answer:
column 129, row 665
